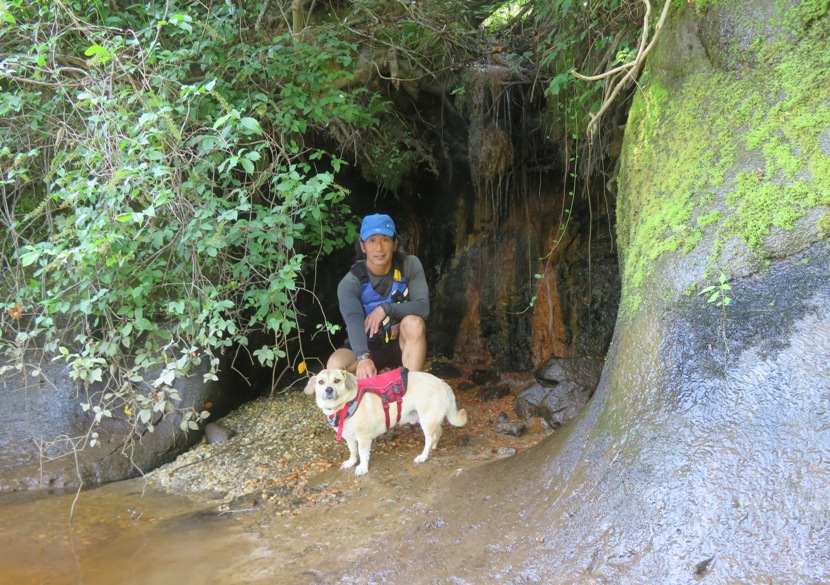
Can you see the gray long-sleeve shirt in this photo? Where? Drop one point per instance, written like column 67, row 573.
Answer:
column 348, row 295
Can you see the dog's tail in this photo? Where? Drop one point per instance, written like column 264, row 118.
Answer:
column 457, row 418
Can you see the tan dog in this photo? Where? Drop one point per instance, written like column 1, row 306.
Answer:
column 427, row 400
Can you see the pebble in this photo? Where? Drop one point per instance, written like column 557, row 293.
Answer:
column 505, row 426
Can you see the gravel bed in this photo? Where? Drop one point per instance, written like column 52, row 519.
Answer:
column 283, row 447
column 278, row 444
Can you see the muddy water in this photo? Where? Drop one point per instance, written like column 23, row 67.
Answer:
column 124, row 533
column 119, row 533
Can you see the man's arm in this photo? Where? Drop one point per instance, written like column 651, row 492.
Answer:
column 416, row 281
column 348, row 295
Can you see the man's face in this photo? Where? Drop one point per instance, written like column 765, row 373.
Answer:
column 378, row 250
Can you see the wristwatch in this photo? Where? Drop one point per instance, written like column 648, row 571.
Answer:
column 364, row 356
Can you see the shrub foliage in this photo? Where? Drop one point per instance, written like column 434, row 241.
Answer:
column 158, row 198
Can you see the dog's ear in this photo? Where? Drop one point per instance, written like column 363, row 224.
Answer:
column 309, row 387
column 350, row 380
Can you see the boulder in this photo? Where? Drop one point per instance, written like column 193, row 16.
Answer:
column 555, row 403
column 582, row 370
column 489, row 393
column 505, row 426
column 562, row 388
column 43, row 431
column 482, row 377
column 217, row 433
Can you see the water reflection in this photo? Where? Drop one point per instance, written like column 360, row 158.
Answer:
column 118, row 534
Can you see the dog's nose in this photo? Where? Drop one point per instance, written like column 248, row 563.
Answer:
column 329, row 393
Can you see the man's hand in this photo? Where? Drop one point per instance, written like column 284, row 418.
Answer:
column 366, row 369
column 373, row 321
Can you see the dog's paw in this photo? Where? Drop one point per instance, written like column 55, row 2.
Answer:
column 348, row 464
column 421, row 458
column 361, row 470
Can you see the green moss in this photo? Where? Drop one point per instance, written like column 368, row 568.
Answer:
column 701, row 6
column 687, row 166
column 808, row 11
column 710, row 218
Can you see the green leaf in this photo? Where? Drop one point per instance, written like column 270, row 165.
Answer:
column 221, row 121
column 29, row 256
column 252, row 125
column 146, row 118
column 559, row 82
column 95, row 50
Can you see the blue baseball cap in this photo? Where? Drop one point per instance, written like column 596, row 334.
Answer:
column 377, row 224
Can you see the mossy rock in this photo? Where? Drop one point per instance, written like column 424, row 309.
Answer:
column 725, row 163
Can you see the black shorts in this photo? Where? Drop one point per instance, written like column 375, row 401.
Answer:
column 385, row 355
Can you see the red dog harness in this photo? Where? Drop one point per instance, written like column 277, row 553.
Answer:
column 390, row 386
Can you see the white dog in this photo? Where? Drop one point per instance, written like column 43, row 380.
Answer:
column 360, row 416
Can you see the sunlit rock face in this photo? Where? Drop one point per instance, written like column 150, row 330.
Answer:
column 701, row 445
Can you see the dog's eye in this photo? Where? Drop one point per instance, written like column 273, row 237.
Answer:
column 320, row 382
column 337, row 380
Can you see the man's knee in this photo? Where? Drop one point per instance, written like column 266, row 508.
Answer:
column 413, row 327
column 341, row 359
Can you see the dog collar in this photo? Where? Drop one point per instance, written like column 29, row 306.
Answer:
column 338, row 419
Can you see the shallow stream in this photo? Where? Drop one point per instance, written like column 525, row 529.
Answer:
column 120, row 533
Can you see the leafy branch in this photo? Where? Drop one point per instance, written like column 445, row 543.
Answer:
column 717, row 292
column 718, row 297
